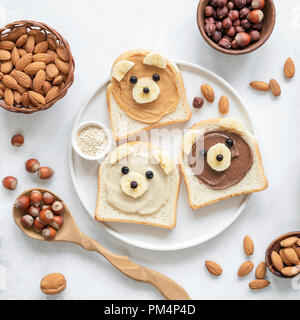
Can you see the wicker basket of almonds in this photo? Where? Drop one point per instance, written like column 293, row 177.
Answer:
column 37, row 67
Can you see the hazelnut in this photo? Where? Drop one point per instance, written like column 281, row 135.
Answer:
column 245, row 24
column 227, row 23
column 221, row 3
column 46, row 207
column 233, row 15
column 225, row 43
column 10, row 183
column 213, row 3
column 219, row 26
column 217, row 36
column 48, row 198
column 27, row 220
column 58, row 207
column 34, row 211
column 49, row 233
column 237, row 23
column 46, row 216
column 239, row 29
column 32, row 165
column 38, row 224
column 209, row 20
column 230, row 5
column 231, row 32
column 57, row 222
column 239, row 3
column 209, row 11
column 198, row 101
column 36, row 198
column 45, row 173
column 244, row 13
column 17, row 140
column 258, row 4
column 222, row 13
column 242, row 39
column 209, row 29
column 234, row 45
column 257, row 26
column 23, row 202
column 254, row 35
column 255, row 16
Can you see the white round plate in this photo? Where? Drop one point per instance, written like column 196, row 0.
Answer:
column 193, row 226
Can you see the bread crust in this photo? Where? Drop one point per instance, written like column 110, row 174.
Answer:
column 194, row 207
column 98, row 218
column 147, row 126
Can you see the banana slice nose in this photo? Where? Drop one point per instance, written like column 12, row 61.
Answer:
column 219, row 157
column 134, row 184
column 145, row 91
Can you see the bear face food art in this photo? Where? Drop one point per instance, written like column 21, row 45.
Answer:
column 145, row 85
column 138, row 184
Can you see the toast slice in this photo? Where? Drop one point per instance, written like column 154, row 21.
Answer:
column 199, row 192
column 165, row 215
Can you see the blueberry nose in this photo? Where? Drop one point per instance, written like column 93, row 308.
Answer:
column 133, row 184
column 146, row 90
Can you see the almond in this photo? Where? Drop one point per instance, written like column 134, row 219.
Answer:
column 21, row 40
column 53, row 283
column 61, row 86
column 22, row 52
column 260, row 271
column 16, row 33
column 283, row 257
column 207, row 92
column 258, row 284
column 34, row 67
column 58, row 80
column 275, row 87
column 38, row 80
column 290, row 271
column 15, row 56
column 6, row 66
column 224, row 105
column 17, row 97
column 52, row 71
column 36, row 98
column 245, row 268
column 41, row 47
column 276, row 260
column 248, row 245
column 290, row 255
column 47, row 86
column 24, row 61
column 43, row 57
column 25, row 99
column 39, row 36
column 62, row 53
column 297, row 250
column 289, row 68
column 64, row 67
column 52, row 93
column 213, row 268
column 22, row 78
column 5, row 55
column 7, row 45
column 53, row 54
column 288, row 242
column 10, row 82
column 2, row 86
column 259, row 85
column 51, row 41
column 8, row 97
column 30, row 43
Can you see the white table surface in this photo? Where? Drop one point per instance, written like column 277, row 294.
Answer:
column 98, row 31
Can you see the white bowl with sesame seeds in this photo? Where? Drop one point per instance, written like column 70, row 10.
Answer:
column 91, row 140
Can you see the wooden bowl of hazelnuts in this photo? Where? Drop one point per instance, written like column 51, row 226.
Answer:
column 236, row 26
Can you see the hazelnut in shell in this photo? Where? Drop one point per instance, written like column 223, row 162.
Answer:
column 36, row 198
column 38, row 225
column 49, row 233
column 258, row 4
column 58, row 207
column 255, row 16
column 46, row 216
column 45, row 173
column 34, row 211
column 57, row 222
column 240, row 3
column 27, row 221
column 242, row 39
column 10, row 183
column 32, row 165
column 23, row 203
column 17, row 140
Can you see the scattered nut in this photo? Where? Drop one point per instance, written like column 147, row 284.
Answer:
column 248, row 246
column 198, row 102
column 275, row 87
column 260, row 271
column 224, row 105
column 45, row 173
column 258, row 284
column 289, row 68
column 10, row 183
column 260, row 85
column 17, row 140
column 214, row 268
column 53, row 283
column 208, row 92
column 245, row 268
column 32, row 165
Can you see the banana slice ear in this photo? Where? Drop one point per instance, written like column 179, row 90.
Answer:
column 233, row 124
column 156, row 59
column 121, row 68
column 120, row 153
column 165, row 162
column 190, row 138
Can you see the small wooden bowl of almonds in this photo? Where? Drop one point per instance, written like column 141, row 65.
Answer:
column 37, row 67
column 283, row 255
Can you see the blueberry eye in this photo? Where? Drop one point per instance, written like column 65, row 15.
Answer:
column 156, row 77
column 125, row 170
column 220, row 157
column 149, row 174
column 229, row 143
column 133, row 79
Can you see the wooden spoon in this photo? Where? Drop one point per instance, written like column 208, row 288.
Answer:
column 275, row 246
column 71, row 233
